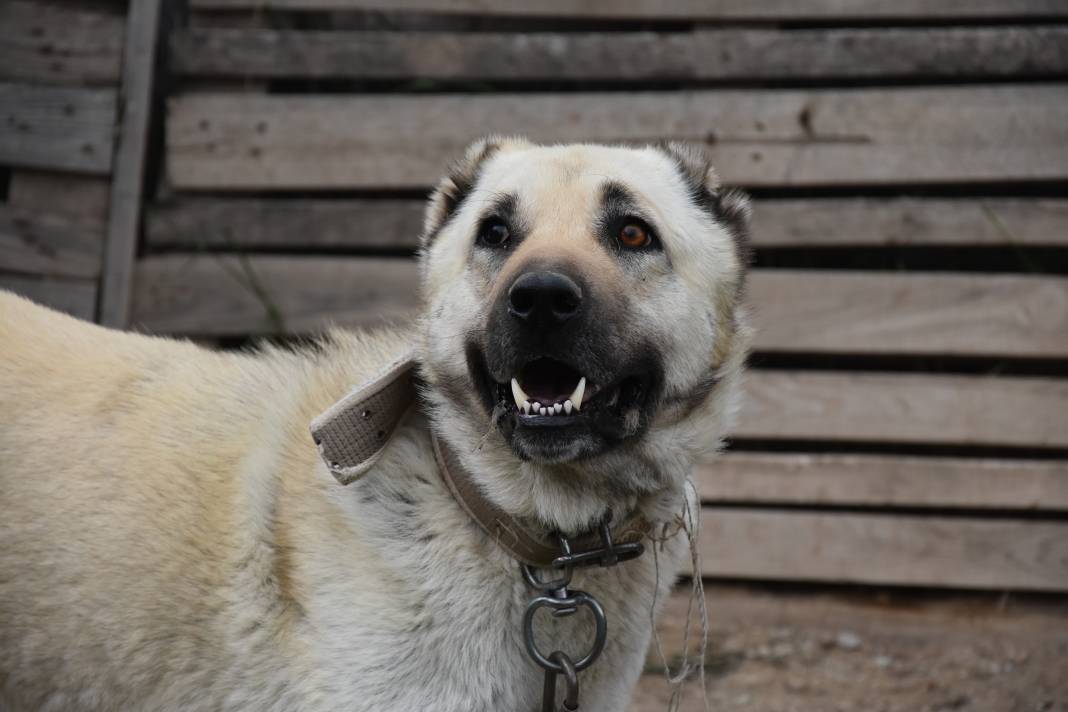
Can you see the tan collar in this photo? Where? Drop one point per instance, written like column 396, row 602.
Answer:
column 354, row 432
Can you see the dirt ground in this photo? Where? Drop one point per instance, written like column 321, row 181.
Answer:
column 803, row 651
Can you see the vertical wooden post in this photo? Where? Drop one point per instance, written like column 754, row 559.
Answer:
column 124, row 214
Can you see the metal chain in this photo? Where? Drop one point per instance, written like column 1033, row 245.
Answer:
column 555, row 595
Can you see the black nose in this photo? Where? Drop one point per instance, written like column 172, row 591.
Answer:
column 544, row 299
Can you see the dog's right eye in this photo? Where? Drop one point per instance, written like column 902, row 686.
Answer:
column 493, row 233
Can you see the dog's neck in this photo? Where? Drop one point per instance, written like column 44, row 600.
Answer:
column 518, row 504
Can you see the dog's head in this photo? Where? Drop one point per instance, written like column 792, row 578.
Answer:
column 582, row 331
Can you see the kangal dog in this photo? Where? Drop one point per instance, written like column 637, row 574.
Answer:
column 171, row 539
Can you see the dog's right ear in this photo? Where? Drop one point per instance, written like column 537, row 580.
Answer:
column 458, row 182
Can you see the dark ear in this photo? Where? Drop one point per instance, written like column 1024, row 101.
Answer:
column 730, row 207
column 458, row 182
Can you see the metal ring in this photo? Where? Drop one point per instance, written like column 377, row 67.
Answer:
column 570, row 678
column 553, row 585
column 576, row 599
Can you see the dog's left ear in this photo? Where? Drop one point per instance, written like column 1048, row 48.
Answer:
column 730, row 207
column 459, row 181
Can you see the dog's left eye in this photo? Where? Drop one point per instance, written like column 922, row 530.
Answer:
column 493, row 233
column 634, row 236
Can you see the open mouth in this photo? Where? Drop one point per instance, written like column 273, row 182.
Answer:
column 549, row 392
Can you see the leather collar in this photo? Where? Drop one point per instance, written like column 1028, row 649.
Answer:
column 354, row 432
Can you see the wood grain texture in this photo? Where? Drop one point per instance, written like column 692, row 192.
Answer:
column 621, row 56
column 250, row 223
column 124, row 212
column 220, row 295
column 759, row 138
column 794, row 310
column 904, row 408
column 884, row 481
column 884, row 549
column 61, row 128
column 678, row 9
column 875, row 222
column 76, row 297
column 48, row 246
column 59, row 45
column 84, row 198
column 247, row 223
column 910, row 313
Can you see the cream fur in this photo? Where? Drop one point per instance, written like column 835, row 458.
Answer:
column 170, row 539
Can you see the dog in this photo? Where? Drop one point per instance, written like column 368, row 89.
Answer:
column 171, row 537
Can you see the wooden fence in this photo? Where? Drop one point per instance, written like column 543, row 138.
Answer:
column 907, row 413
column 75, row 89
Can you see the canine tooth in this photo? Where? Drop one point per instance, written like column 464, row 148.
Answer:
column 518, row 394
column 557, row 407
column 576, row 397
column 568, row 405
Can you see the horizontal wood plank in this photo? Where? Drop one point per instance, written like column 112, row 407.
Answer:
column 884, row 549
column 85, row 198
column 857, row 312
column 883, row 481
column 59, row 45
column 702, row 55
column 48, row 246
column 677, row 9
column 795, row 311
column 759, row 138
column 60, row 128
column 249, row 223
column 904, row 408
column 871, row 222
column 76, row 297
column 219, row 295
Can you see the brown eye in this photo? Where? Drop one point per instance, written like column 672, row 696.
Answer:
column 634, row 236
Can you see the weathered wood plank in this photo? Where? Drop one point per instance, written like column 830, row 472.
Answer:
column 48, row 246
column 814, row 310
column 75, row 297
column 703, row 55
column 84, row 199
column 677, row 9
column 910, row 313
column 769, row 138
column 847, row 222
column 62, row 128
column 124, row 213
column 247, row 223
column 218, row 295
column 884, row 549
column 904, row 408
column 878, row 481
column 59, row 45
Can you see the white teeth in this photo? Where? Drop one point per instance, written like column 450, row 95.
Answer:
column 558, row 407
column 526, row 407
column 568, row 405
column 544, row 411
column 518, row 394
column 576, row 397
